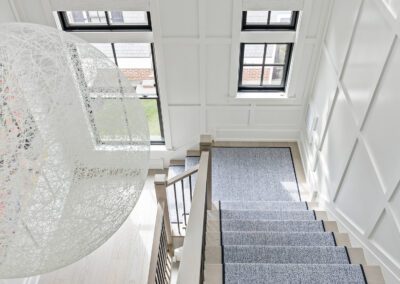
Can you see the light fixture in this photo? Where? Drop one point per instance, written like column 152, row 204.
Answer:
column 64, row 188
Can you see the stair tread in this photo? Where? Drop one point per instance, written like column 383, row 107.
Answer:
column 273, row 225
column 263, row 205
column 293, row 273
column 174, row 170
column 276, row 238
column 285, row 254
column 267, row 215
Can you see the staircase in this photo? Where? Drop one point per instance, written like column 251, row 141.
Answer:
column 254, row 237
column 252, row 222
column 180, row 197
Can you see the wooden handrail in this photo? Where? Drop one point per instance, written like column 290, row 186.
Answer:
column 190, row 269
column 181, row 176
column 156, row 243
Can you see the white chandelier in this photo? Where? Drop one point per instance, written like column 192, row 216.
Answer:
column 69, row 176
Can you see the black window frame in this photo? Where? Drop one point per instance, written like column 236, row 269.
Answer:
column 270, row 27
column 144, row 97
column 81, row 78
column 66, row 26
column 261, row 87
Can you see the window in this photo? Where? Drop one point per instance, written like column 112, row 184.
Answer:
column 269, row 20
column 105, row 20
column 264, row 66
column 136, row 62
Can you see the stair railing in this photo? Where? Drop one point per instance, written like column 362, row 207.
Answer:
column 162, row 184
column 160, row 262
column 192, row 263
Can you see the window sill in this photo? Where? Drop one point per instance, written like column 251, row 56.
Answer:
column 158, row 148
column 261, row 95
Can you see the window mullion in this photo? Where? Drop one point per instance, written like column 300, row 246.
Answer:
column 107, row 18
column 263, row 62
column 114, row 54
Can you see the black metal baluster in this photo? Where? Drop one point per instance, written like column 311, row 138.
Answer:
column 163, row 249
column 161, row 256
column 184, row 202
column 177, row 213
column 190, row 187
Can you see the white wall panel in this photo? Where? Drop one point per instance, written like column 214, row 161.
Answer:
column 6, row 13
column 337, row 39
column 217, row 26
column 386, row 236
column 225, row 116
column 385, row 115
column 314, row 24
column 360, row 197
column 339, row 142
column 283, row 117
column 324, row 91
column 179, row 18
column 218, row 64
column 185, row 118
column 366, row 115
column 370, row 47
column 182, row 73
column 395, row 206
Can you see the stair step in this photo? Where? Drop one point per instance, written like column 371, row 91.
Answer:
column 271, row 239
column 190, row 162
column 267, row 215
column 177, row 162
column 293, row 273
column 175, row 170
column 213, row 274
column 272, row 226
column 263, row 205
column 276, row 254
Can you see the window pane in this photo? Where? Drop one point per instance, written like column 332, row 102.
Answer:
column 110, row 120
column 253, row 53
column 257, row 17
column 281, row 17
column 136, row 62
column 273, row 76
column 251, row 76
column 151, row 110
column 276, row 54
column 128, row 18
column 106, row 49
column 86, row 17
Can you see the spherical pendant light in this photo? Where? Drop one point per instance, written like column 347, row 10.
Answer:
column 74, row 149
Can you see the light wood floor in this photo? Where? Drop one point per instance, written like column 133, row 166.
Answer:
column 123, row 259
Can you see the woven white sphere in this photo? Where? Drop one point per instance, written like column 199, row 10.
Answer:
column 68, row 177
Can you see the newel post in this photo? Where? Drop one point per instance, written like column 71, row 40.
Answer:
column 160, row 184
column 206, row 142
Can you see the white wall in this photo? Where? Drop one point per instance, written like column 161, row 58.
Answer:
column 352, row 154
column 197, row 45
column 6, row 13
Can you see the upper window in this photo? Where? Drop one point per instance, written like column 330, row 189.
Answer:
column 136, row 62
column 269, row 20
column 264, row 66
column 105, row 20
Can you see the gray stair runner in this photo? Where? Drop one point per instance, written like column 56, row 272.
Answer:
column 287, row 254
column 244, row 273
column 267, row 215
column 262, row 205
column 272, row 226
column 267, row 235
column 278, row 239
